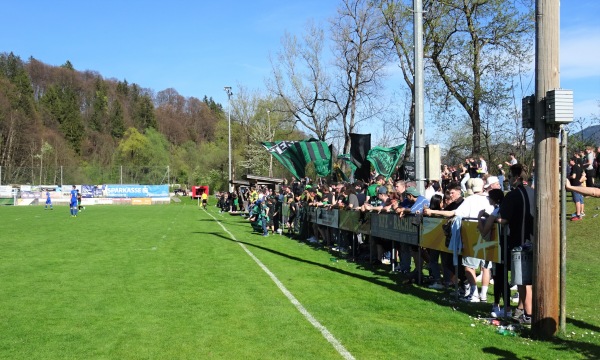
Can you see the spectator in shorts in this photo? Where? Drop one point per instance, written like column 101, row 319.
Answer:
column 518, row 211
column 575, row 180
column 471, row 208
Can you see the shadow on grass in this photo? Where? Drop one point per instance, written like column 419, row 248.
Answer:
column 324, row 266
column 587, row 350
column 583, row 325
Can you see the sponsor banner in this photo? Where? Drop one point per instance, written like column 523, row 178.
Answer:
column 474, row 245
column 90, row 191
column 30, row 195
column 141, row 201
column 6, row 191
column 311, row 214
column 137, row 191
column 433, row 236
column 327, row 217
column 355, row 221
column 121, row 201
column 395, row 228
column 349, row 220
column 285, row 210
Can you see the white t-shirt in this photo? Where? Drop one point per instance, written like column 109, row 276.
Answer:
column 472, row 205
column 590, row 159
column 483, row 167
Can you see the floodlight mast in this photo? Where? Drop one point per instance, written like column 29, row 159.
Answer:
column 229, row 93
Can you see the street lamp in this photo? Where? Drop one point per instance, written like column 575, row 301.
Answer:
column 229, row 93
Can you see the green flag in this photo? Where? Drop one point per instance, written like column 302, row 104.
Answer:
column 384, row 160
column 295, row 155
column 347, row 159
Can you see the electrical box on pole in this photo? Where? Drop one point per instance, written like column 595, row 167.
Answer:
column 433, row 162
column 559, row 106
column 527, row 110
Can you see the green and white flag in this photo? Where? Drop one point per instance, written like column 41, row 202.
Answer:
column 295, row 155
column 348, row 160
column 384, row 160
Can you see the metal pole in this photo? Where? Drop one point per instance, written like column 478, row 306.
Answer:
column 546, row 246
column 563, row 233
column 229, row 93
column 270, row 139
column 419, row 115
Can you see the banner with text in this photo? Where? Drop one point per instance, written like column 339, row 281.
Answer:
column 393, row 227
column 137, row 191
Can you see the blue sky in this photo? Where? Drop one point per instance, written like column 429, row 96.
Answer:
column 198, row 47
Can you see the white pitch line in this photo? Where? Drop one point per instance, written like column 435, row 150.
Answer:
column 326, row 333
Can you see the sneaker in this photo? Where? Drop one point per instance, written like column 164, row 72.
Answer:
column 437, row 286
column 576, row 218
column 462, row 291
column 470, row 299
column 517, row 314
column 495, row 308
column 582, row 214
column 515, row 298
column 525, row 319
column 483, row 298
column 501, row 313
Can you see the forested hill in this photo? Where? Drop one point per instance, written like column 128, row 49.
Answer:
column 56, row 117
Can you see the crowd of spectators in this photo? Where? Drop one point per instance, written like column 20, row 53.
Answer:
column 469, row 191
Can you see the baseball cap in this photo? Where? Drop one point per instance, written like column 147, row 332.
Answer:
column 382, row 190
column 490, row 181
column 412, row 191
column 475, row 185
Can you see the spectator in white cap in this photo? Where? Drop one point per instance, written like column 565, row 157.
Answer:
column 492, row 182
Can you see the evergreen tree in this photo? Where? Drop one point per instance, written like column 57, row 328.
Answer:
column 12, row 68
column 123, row 88
column 144, row 115
column 99, row 105
column 63, row 105
column 117, row 123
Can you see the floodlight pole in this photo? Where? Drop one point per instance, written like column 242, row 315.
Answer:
column 229, row 93
column 270, row 139
column 418, row 83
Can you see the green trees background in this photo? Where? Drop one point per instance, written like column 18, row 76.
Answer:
column 60, row 125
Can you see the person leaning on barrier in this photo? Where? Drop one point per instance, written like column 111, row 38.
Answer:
column 416, row 202
column 582, row 190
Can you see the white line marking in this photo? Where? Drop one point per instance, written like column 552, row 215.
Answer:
column 326, row 334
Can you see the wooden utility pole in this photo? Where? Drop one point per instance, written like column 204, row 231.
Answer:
column 547, row 229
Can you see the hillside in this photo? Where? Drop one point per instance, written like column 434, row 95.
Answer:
column 61, row 125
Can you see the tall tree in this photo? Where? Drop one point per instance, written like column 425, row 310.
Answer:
column 116, row 120
column 99, row 115
column 63, row 105
column 144, row 116
column 475, row 48
column 361, row 53
column 301, row 81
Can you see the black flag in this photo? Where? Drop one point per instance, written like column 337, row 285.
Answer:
column 360, row 144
